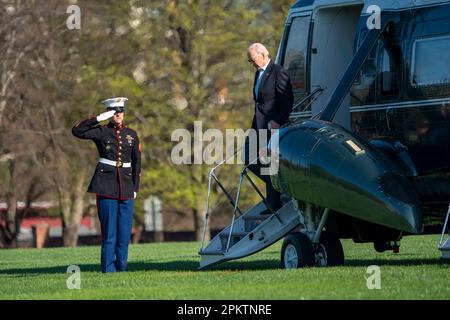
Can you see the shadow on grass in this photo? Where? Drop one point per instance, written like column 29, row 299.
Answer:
column 399, row 262
column 148, row 266
column 189, row 266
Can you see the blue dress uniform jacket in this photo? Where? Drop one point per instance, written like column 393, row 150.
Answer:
column 115, row 143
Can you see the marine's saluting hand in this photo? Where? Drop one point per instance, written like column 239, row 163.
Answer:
column 106, row 115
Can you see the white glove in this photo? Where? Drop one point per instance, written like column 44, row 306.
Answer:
column 135, row 194
column 106, row 115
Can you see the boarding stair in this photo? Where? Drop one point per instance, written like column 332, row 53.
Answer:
column 249, row 231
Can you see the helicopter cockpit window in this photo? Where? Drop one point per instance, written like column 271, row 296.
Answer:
column 295, row 55
column 430, row 61
column 380, row 74
column 363, row 89
column 390, row 75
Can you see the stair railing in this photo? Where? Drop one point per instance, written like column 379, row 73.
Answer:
column 234, row 203
column 441, row 240
column 307, row 101
column 212, row 176
column 244, row 173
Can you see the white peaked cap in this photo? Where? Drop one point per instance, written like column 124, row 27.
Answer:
column 115, row 102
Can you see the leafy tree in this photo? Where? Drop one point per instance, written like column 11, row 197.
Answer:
column 197, row 68
column 177, row 61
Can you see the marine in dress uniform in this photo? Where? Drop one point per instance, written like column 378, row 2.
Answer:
column 115, row 181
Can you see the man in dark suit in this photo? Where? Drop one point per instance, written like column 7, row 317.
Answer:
column 273, row 96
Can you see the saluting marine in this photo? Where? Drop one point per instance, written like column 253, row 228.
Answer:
column 115, row 181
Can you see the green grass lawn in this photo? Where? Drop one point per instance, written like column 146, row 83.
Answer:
column 169, row 271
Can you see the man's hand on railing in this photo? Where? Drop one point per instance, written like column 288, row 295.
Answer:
column 273, row 125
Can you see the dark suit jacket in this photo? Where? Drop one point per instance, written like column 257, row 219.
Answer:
column 116, row 144
column 275, row 98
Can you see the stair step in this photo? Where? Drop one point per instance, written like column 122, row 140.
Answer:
column 235, row 238
column 234, row 234
column 212, row 253
column 254, row 221
column 258, row 217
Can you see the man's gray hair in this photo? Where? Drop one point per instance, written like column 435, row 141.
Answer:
column 259, row 48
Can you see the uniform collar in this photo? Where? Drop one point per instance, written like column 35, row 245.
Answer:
column 119, row 127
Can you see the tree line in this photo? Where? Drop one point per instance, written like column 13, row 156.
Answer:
column 178, row 61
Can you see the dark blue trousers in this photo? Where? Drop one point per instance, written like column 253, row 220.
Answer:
column 116, row 219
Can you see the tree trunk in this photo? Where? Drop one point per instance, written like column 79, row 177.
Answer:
column 199, row 222
column 12, row 227
column 71, row 238
column 70, row 235
column 136, row 237
column 71, row 207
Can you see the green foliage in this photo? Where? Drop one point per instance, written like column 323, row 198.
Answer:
column 177, row 62
column 187, row 52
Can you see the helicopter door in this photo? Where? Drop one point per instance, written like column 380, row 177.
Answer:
column 294, row 56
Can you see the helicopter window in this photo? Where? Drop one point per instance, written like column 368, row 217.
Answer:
column 363, row 89
column 390, row 63
column 296, row 55
column 430, row 61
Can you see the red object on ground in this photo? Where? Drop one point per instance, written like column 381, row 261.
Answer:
column 52, row 222
column 40, row 234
